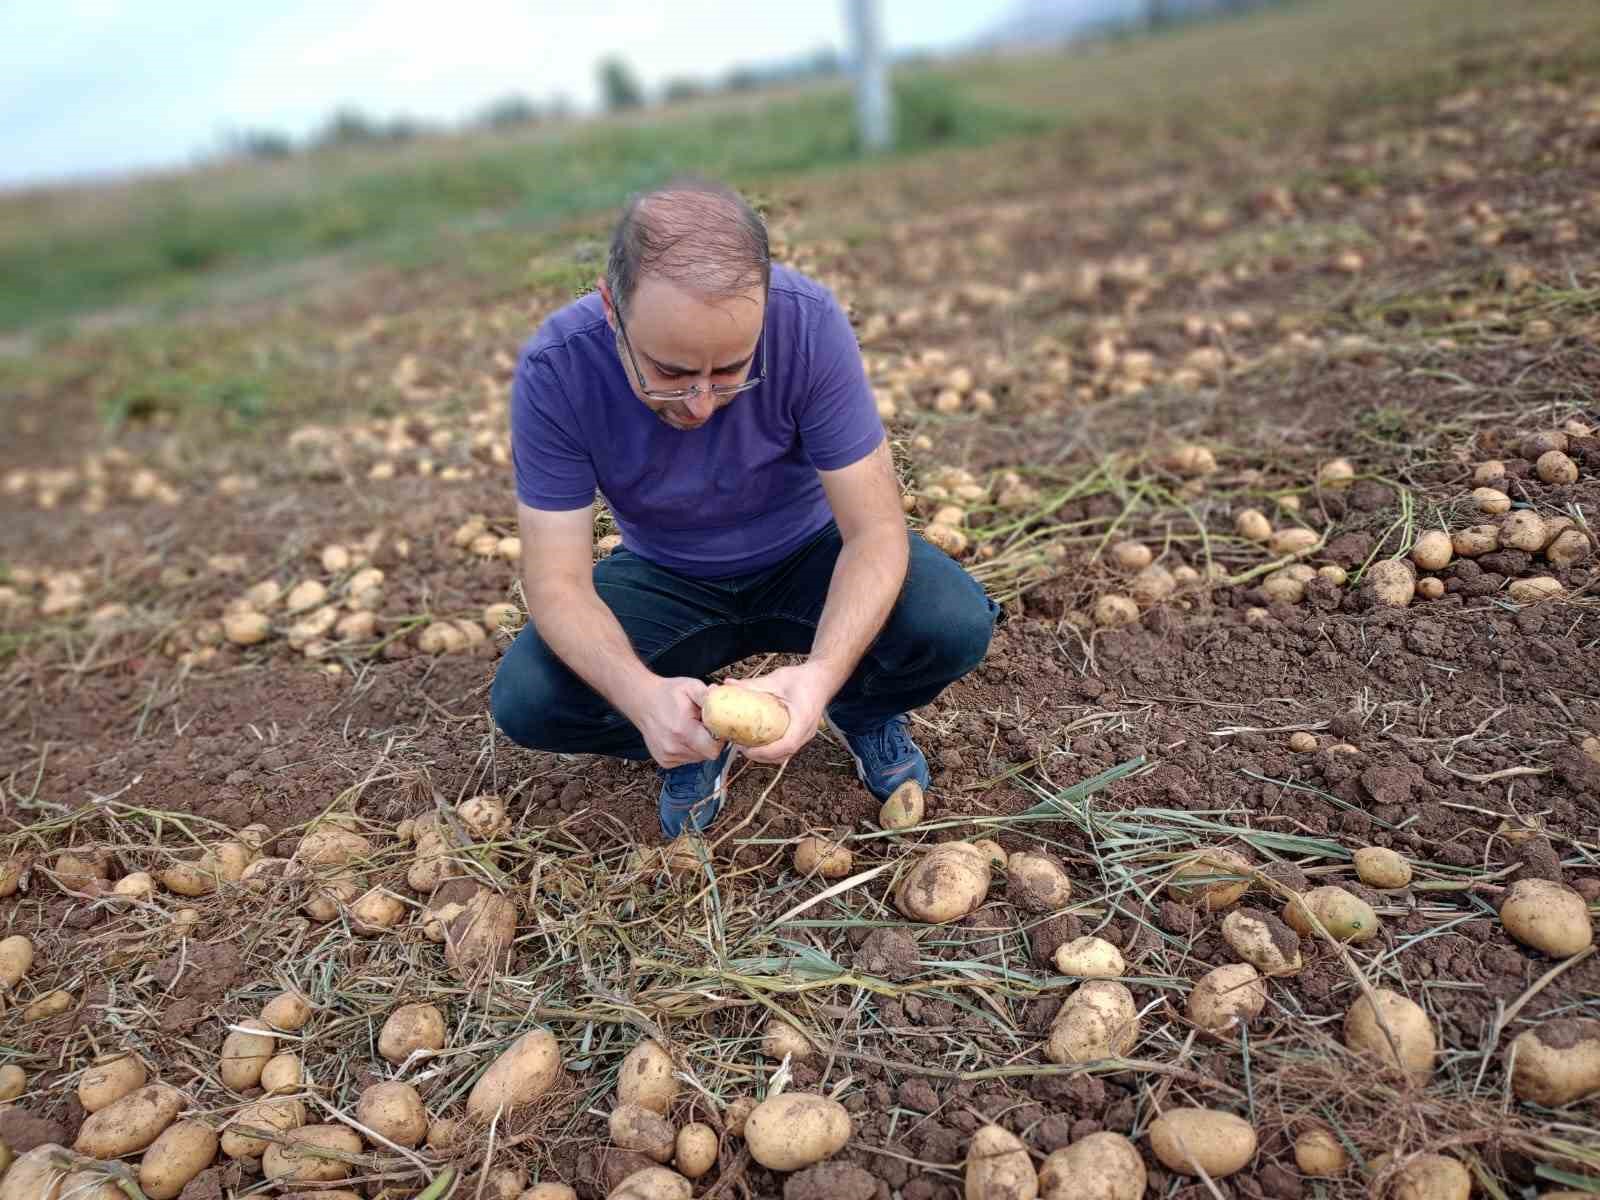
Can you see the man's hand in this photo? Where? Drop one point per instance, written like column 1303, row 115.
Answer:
column 805, row 692
column 669, row 719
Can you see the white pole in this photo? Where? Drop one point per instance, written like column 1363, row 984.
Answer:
column 874, row 106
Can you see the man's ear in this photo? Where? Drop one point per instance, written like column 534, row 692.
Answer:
column 605, row 299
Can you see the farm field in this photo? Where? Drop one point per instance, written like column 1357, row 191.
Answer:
column 1268, row 404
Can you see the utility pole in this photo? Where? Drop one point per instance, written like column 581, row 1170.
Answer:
column 874, row 105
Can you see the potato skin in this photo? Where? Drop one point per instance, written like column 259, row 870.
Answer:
column 527, row 1070
column 1379, row 867
column 1102, row 1166
column 829, row 859
column 1547, row 916
column 1211, row 893
column 998, row 1167
column 480, row 937
column 645, row 1078
column 394, row 1109
column 1099, row 1020
column 743, row 716
column 696, row 1150
column 278, row 1115
column 1557, row 1062
column 1220, row 1142
column 1036, row 882
column 1413, row 1033
column 181, row 1152
column 33, row 1176
column 129, row 1124
column 283, row 1161
column 635, row 1128
column 1090, row 958
column 655, row 1183
column 904, row 807
column 1263, row 941
column 288, row 1011
column 945, row 884
column 109, row 1080
column 1431, row 1177
column 16, row 957
column 411, row 1027
column 1343, row 914
column 1229, row 995
column 796, row 1129
column 246, row 1054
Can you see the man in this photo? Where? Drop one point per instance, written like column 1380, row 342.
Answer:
column 721, row 407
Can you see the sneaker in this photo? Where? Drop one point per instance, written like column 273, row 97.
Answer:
column 886, row 757
column 692, row 795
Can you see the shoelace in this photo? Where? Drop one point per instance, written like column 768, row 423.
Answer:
column 891, row 743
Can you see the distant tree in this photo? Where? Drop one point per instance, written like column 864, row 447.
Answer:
column 678, row 90
column 743, row 79
column 349, row 127
column 263, row 144
column 619, row 86
column 508, row 112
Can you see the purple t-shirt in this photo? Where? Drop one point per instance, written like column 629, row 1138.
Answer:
column 737, row 494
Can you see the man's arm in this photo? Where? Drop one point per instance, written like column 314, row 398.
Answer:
column 558, row 580
column 867, row 579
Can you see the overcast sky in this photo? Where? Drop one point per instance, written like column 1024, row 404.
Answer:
column 92, row 86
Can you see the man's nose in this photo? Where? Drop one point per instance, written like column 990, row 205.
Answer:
column 702, row 403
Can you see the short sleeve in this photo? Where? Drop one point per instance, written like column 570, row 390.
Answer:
column 554, row 471
column 837, row 418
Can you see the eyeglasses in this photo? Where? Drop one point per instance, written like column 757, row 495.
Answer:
column 717, row 389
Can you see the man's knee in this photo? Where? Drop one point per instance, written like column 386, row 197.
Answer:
column 944, row 621
column 524, row 695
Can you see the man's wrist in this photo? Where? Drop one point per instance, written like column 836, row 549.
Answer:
column 635, row 692
column 831, row 674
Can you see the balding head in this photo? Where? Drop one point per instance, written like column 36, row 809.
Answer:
column 698, row 235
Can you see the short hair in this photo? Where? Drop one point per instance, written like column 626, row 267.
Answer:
column 694, row 232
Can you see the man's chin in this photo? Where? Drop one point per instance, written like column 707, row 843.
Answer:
column 680, row 424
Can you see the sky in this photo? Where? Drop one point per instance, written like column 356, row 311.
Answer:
column 101, row 87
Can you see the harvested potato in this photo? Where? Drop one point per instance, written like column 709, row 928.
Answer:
column 328, row 897
column 393, row 1110
column 549, row 1191
column 1487, row 473
column 998, row 1166
column 502, row 615
column 743, row 716
column 1193, row 461
column 283, row 1073
column 16, row 959
column 1556, row 468
column 945, row 884
column 737, row 1113
column 635, row 1128
column 1293, row 540
column 1337, row 474
column 781, row 1039
column 1433, row 550
column 1227, row 996
column 246, row 627
column 1523, row 530
column 1548, row 916
column 11, row 875
column 1491, row 501
column 1431, row 1177
column 820, row 856
column 1534, row 444
column 479, row 939
column 13, row 1082
column 294, row 1160
column 410, row 1028
column 34, row 1175
column 245, row 1052
column 1430, row 588
column 1036, row 882
column 1101, row 1166
column 1284, row 587
column 183, row 1150
column 1252, row 524
column 1393, row 582
column 441, row 637
column 1263, row 941
column 1187, row 1140
column 947, row 538
column 136, row 886
column 1099, row 1020
column 992, row 851
column 696, row 1150
column 288, row 1011
column 1302, row 742
column 646, row 1078
column 523, row 1073
column 51, row 1004
column 129, row 1124
column 1112, row 611
column 1089, row 958
column 904, row 807
column 484, row 817
column 376, row 911
column 1379, row 867
column 1131, row 556
column 654, row 1183
column 1532, row 591
column 502, row 1183
column 1347, row 917
column 796, row 1129
column 1415, row 1045
column 1319, row 1154
column 1557, row 1062
column 305, row 595
column 1476, row 540
column 1152, row 585
column 1212, row 878
column 1334, row 574
column 332, row 845
column 1567, row 548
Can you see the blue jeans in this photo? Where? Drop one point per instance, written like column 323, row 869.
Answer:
column 938, row 630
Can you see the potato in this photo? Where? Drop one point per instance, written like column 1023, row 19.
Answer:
column 549, row 1191
column 1567, row 548
column 655, row 1183
column 1413, row 1033
column 1293, row 540
column 1253, row 525
column 1556, row 468
column 502, row 615
column 742, row 716
column 646, row 1078
column 1393, row 582
column 525, row 1071
column 903, row 808
column 1131, row 556
column 1101, row 1166
column 1476, row 540
column 1302, row 742
column 1036, row 882
column 1099, row 1020
column 16, row 959
column 1193, row 461
column 479, row 940
column 245, row 1053
column 945, row 884
column 947, row 538
column 998, row 1167
column 309, row 1155
column 435, row 860
column 78, row 873
column 246, row 627
column 441, row 637
column 11, row 875
column 1187, row 1140
column 1547, row 916
column 377, row 911
column 136, row 886
column 782, row 1039
column 13, row 1082
column 356, row 627
column 246, row 1135
column 1089, row 958
column 34, row 1175
column 328, row 897
column 1532, row 591
column 1486, row 473
column 51, row 1004
column 1263, row 941
column 1523, row 530
column 181, row 1152
column 410, row 1028
column 1212, row 878
column 819, row 856
column 993, row 851
column 1347, row 917
column 332, row 845
column 1382, row 868
column 696, row 1150
column 129, row 1124
column 283, row 1073
column 305, row 595
column 1490, row 500
column 1284, row 588
column 393, row 1110
column 1112, row 611
column 1227, row 996
column 1431, row 1177
column 1430, row 588
column 1319, row 1154
column 636, row 1128
column 1336, row 474
column 288, row 1011
column 1433, row 550
column 796, row 1129
column 1557, row 1062
column 1542, row 442
column 737, row 1113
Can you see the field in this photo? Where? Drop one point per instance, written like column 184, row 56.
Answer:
column 1335, row 265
